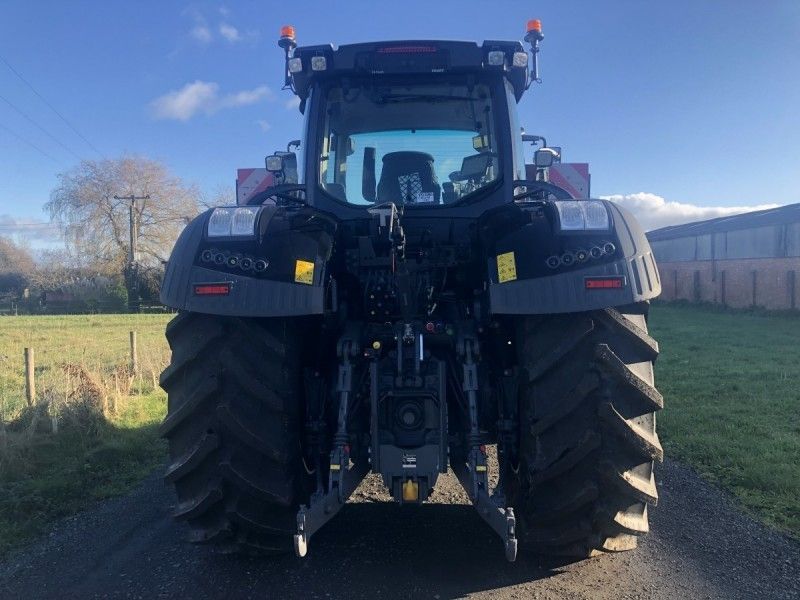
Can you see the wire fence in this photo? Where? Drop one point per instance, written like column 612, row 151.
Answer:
column 57, row 368
column 79, row 307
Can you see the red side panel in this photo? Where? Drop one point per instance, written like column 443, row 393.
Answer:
column 573, row 177
column 250, row 182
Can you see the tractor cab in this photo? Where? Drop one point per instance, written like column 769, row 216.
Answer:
column 419, row 124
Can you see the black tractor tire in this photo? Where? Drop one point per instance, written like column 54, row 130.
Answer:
column 588, row 439
column 234, row 429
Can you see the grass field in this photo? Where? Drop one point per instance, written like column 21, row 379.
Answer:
column 96, row 453
column 731, row 383
column 99, row 343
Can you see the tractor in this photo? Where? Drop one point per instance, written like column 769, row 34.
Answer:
column 403, row 299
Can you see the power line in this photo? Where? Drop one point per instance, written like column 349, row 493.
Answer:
column 31, row 144
column 27, row 225
column 42, row 129
column 53, row 108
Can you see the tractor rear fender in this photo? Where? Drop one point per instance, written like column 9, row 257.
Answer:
column 278, row 271
column 535, row 268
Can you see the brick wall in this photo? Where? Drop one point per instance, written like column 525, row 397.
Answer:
column 770, row 283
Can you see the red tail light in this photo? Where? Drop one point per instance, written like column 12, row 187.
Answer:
column 212, row 289
column 604, row 283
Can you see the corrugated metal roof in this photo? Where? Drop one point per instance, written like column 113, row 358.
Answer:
column 760, row 218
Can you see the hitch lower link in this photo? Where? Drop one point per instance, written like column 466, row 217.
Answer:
column 343, row 478
column 474, row 475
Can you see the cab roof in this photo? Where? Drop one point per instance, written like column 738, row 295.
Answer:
column 384, row 59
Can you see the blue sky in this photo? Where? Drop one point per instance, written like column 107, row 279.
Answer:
column 675, row 104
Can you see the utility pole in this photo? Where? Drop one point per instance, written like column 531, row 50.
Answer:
column 132, row 267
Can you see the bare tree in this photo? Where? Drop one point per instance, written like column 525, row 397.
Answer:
column 16, row 266
column 14, row 257
column 56, row 268
column 96, row 225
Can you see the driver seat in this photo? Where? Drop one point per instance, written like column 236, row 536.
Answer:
column 408, row 177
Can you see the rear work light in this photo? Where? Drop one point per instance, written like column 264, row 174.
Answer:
column 582, row 215
column 233, row 222
column 614, row 282
column 497, row 58
column 212, row 289
column 295, row 65
column 319, row 63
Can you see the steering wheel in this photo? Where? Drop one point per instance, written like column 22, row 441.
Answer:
column 283, row 192
column 541, row 190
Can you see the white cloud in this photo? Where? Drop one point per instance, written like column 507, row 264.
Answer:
column 34, row 230
column 208, row 27
column 183, row 104
column 201, row 33
column 654, row 211
column 264, row 125
column 229, row 32
column 292, row 103
column 246, row 97
column 203, row 97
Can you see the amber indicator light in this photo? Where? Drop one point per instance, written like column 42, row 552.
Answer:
column 534, row 25
column 287, row 31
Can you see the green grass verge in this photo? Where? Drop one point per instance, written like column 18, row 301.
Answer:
column 53, row 476
column 43, row 476
column 731, row 384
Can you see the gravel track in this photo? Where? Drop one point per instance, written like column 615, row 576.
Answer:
column 701, row 546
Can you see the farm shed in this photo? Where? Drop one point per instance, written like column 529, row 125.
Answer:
column 745, row 260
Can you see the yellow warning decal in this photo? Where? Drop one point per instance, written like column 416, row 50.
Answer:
column 506, row 267
column 304, row 272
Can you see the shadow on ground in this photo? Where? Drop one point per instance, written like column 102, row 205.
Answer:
column 389, row 550
column 701, row 546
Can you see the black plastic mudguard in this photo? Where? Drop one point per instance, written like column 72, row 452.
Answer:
column 283, row 236
column 540, row 289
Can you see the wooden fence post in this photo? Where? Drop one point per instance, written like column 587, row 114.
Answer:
column 116, row 393
column 675, row 295
column 134, row 355
column 30, row 381
column 792, row 277
column 696, row 290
